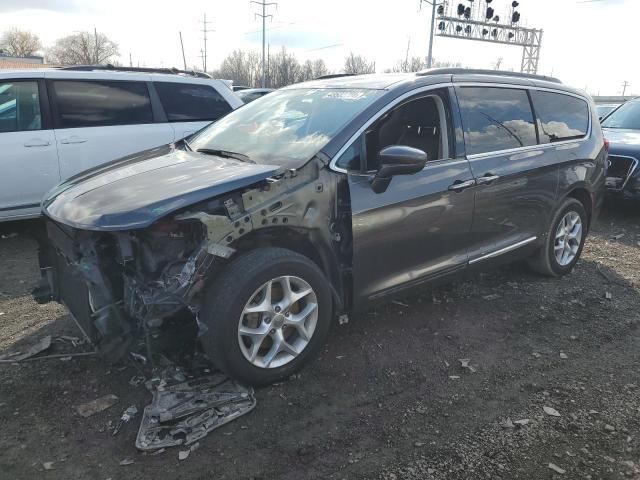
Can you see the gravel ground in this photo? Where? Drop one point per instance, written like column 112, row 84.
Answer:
column 388, row 398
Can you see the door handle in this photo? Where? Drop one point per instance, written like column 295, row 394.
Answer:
column 487, row 179
column 68, row 141
column 460, row 185
column 36, row 142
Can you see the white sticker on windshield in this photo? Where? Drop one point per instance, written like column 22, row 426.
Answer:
column 345, row 94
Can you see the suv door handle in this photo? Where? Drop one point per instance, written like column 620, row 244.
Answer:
column 487, row 179
column 460, row 185
column 74, row 139
column 36, row 142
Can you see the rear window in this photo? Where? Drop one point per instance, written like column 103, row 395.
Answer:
column 186, row 102
column 101, row 103
column 496, row 119
column 19, row 107
column 562, row 117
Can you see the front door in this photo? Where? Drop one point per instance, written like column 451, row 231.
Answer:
column 418, row 228
column 29, row 161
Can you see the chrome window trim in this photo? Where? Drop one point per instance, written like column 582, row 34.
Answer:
column 379, row 114
column 475, row 156
column 506, row 249
column 635, row 162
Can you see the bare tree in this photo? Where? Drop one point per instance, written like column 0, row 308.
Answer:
column 357, row 64
column 319, row 68
column 284, row 69
column 83, row 48
column 19, row 43
column 413, row 64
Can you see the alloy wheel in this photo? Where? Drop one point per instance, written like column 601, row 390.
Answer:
column 568, row 238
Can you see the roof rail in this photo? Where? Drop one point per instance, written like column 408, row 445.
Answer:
column 113, row 68
column 499, row 73
column 334, row 75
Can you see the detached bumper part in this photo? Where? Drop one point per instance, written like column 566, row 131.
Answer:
column 183, row 413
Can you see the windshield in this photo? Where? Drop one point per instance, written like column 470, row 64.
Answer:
column 286, row 127
column 626, row 116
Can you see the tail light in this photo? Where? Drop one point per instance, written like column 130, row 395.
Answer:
column 606, row 144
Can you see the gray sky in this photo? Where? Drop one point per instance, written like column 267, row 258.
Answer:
column 586, row 44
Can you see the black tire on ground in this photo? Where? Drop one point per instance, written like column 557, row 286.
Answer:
column 226, row 297
column 544, row 260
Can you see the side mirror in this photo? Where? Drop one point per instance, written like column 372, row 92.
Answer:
column 396, row 160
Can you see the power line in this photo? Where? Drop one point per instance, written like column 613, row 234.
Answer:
column 264, row 4
column 205, row 30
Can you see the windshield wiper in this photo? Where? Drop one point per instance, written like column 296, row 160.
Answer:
column 225, row 154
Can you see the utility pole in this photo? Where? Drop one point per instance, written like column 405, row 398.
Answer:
column 624, row 87
column 95, row 34
column 202, row 56
column 184, row 59
column 130, row 60
column 205, row 30
column 406, row 57
column 434, row 4
column 264, row 4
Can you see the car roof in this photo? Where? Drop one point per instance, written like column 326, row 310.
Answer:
column 391, row 81
column 100, row 74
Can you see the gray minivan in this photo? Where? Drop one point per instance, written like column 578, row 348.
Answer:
column 316, row 200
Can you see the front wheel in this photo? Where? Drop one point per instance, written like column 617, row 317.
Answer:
column 564, row 241
column 267, row 314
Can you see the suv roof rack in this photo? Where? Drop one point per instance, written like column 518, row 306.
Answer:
column 334, row 75
column 109, row 67
column 500, row 73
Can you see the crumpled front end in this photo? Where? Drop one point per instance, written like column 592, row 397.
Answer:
column 141, row 288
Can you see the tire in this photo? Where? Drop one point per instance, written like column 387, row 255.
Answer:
column 244, row 280
column 544, row 261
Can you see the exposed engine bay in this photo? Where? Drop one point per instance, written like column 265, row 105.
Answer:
column 142, row 288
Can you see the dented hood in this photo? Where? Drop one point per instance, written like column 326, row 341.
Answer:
column 136, row 191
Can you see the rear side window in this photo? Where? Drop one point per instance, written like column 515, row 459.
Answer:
column 185, row 102
column 19, row 107
column 101, row 103
column 496, row 119
column 561, row 117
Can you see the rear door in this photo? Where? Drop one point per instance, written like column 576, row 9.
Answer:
column 190, row 106
column 100, row 120
column 517, row 179
column 28, row 162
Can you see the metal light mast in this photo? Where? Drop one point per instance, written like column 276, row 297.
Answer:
column 483, row 25
column 264, row 4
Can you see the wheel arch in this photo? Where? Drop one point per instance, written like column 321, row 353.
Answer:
column 305, row 243
column 584, row 197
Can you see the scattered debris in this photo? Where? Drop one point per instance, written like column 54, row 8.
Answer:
column 128, row 414
column 418, row 444
column 126, row 461
column 97, row 405
column 609, row 459
column 556, row 468
column 618, row 236
column 454, row 377
column 493, row 296
column 563, row 356
column 136, row 380
column 43, row 344
column 536, row 355
column 183, row 454
column 523, row 422
column 551, row 411
column 608, row 295
column 2, row 313
column 398, row 302
column 609, row 428
column 507, row 424
column 183, row 413
column 465, row 363
column 48, row 465
column 343, row 319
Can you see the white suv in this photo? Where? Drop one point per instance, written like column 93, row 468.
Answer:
column 57, row 123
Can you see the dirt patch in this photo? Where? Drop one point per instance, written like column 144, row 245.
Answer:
column 388, row 397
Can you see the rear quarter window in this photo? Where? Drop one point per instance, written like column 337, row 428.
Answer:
column 186, row 102
column 98, row 103
column 560, row 117
column 496, row 119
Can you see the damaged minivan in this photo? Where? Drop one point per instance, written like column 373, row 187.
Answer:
column 250, row 237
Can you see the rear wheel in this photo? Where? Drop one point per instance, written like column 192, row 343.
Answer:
column 267, row 314
column 564, row 241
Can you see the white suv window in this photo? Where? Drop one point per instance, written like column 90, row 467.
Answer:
column 189, row 102
column 19, row 106
column 100, row 103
